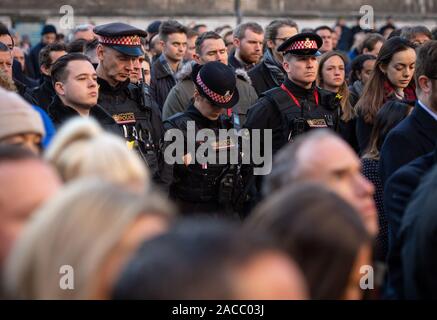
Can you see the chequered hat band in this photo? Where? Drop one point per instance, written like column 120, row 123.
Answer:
column 303, row 45
column 214, row 96
column 122, row 41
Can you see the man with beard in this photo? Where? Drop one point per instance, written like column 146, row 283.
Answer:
column 173, row 37
column 209, row 47
column 139, row 117
column 248, row 42
column 270, row 73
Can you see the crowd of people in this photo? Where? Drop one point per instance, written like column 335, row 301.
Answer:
column 87, row 123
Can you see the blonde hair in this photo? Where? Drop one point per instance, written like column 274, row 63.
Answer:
column 78, row 228
column 82, row 148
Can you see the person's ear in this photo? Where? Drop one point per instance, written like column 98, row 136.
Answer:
column 424, row 84
column 197, row 58
column 383, row 68
column 196, row 94
column 100, row 51
column 59, row 88
column 286, row 65
column 237, row 42
column 270, row 44
column 45, row 70
column 358, row 75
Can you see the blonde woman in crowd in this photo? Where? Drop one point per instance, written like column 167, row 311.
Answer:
column 76, row 245
column 82, row 148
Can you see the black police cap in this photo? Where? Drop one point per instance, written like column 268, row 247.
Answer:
column 121, row 37
column 216, row 81
column 302, row 44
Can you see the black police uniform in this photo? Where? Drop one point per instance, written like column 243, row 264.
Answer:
column 130, row 106
column 195, row 188
column 290, row 110
column 208, row 188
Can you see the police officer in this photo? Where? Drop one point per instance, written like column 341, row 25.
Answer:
column 206, row 187
column 132, row 108
column 297, row 105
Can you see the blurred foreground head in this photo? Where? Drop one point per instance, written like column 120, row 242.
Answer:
column 322, row 157
column 81, row 148
column 322, row 233
column 209, row 259
column 88, row 230
column 20, row 124
column 26, row 183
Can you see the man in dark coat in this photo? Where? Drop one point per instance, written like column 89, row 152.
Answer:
column 173, row 37
column 417, row 134
column 297, row 105
column 269, row 73
column 48, row 36
column 75, row 83
column 397, row 195
column 132, row 108
column 200, row 187
column 418, row 233
column 43, row 95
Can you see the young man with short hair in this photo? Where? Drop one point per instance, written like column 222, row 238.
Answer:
column 173, row 38
column 325, row 33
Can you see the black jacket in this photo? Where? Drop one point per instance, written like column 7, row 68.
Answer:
column 195, row 188
column 262, row 79
column 60, row 113
column 34, row 59
column 126, row 105
column 21, row 88
column 397, row 194
column 418, row 235
column 363, row 132
column 234, row 63
column 265, row 114
column 415, row 136
column 42, row 95
column 19, row 75
column 347, row 131
column 161, row 83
